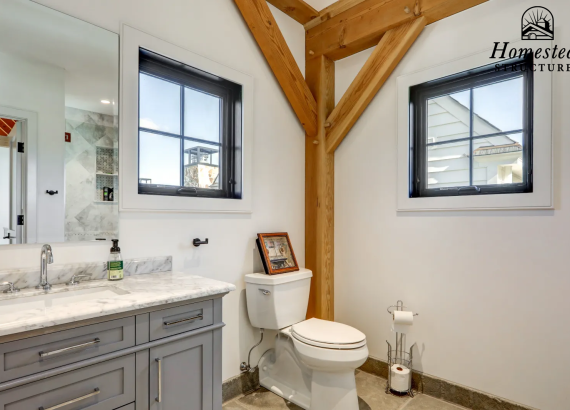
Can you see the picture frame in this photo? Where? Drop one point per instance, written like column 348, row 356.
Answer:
column 277, row 253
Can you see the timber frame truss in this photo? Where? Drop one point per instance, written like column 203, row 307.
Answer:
column 336, row 32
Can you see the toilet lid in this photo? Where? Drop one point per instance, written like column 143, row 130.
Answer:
column 332, row 335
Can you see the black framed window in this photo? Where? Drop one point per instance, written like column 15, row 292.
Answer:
column 189, row 131
column 472, row 134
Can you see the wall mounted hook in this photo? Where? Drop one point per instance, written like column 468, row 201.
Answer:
column 52, row 192
column 197, row 242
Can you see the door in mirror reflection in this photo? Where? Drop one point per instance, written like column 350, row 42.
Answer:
column 11, row 199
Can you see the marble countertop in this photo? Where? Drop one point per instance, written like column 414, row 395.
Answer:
column 23, row 312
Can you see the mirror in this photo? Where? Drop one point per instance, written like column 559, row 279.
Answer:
column 59, row 86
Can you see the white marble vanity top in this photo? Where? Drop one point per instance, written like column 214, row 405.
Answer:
column 132, row 293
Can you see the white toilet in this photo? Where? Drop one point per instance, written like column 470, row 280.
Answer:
column 314, row 360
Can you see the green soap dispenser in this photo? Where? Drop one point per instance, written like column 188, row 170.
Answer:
column 115, row 262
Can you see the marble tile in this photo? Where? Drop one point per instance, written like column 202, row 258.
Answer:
column 134, row 292
column 85, row 220
column 376, row 367
column 239, row 385
column 75, row 114
column 60, row 274
column 148, row 265
column 91, row 132
column 423, row 402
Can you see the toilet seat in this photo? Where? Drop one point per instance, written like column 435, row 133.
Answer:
column 328, row 335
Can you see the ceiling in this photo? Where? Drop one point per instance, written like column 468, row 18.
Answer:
column 88, row 54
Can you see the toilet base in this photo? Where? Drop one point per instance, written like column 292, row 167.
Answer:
column 282, row 372
column 334, row 391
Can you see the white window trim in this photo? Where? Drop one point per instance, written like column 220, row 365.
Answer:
column 542, row 195
column 129, row 198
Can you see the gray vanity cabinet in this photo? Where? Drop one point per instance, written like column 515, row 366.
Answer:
column 181, row 374
column 162, row 358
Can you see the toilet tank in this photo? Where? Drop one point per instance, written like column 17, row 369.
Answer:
column 277, row 301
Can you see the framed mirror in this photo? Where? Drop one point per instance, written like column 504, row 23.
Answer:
column 59, row 131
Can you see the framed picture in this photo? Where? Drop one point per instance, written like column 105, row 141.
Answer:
column 276, row 253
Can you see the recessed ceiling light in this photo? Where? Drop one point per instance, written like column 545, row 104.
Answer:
column 106, row 101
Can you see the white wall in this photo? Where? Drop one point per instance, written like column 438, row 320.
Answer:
column 216, row 30
column 37, row 87
column 491, row 287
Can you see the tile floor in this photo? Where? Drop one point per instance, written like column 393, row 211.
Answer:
column 371, row 396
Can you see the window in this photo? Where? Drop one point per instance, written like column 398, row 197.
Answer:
column 472, row 133
column 189, row 131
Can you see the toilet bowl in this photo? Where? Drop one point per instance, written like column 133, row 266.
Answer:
column 313, row 362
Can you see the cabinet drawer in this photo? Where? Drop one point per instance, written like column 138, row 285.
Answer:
column 169, row 322
column 104, row 386
column 36, row 354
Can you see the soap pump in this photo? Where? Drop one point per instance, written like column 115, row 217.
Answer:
column 115, row 262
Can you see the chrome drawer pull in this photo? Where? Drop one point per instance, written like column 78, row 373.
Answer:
column 159, row 398
column 95, row 393
column 67, row 349
column 190, row 319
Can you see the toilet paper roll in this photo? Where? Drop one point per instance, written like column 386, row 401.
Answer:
column 400, row 378
column 401, row 321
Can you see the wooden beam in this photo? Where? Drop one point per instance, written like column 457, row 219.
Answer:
column 319, row 195
column 329, row 12
column 296, row 9
column 269, row 38
column 388, row 53
column 362, row 25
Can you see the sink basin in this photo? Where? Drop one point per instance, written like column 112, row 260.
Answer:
column 50, row 300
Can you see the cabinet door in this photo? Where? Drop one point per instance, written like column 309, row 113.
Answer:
column 181, row 376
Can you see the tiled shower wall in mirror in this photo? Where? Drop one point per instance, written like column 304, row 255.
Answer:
column 91, row 164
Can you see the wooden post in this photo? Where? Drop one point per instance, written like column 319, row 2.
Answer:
column 319, row 194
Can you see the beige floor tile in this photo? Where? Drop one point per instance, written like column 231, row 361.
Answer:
column 372, row 395
column 233, row 405
column 264, row 399
column 423, row 402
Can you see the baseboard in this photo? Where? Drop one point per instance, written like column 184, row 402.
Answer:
column 241, row 384
column 446, row 390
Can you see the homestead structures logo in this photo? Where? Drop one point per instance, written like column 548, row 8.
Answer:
column 538, row 24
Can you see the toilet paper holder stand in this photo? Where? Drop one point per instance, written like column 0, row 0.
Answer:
column 399, row 357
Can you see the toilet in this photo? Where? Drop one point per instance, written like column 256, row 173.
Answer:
column 313, row 362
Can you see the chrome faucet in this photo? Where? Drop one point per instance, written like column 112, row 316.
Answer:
column 46, row 258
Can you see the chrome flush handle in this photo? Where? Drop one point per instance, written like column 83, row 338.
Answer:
column 265, row 292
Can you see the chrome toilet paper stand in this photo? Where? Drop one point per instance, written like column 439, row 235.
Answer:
column 397, row 355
